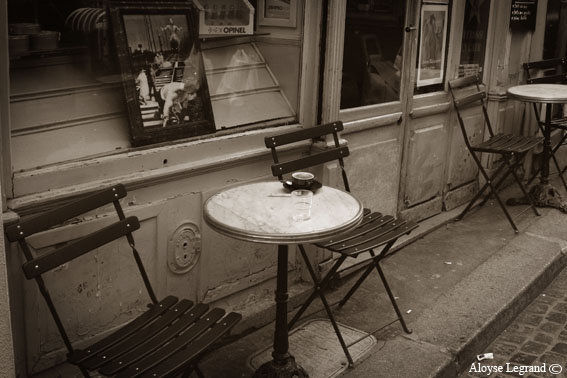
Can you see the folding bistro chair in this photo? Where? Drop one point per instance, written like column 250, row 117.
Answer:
column 375, row 231
column 554, row 72
column 512, row 148
column 166, row 340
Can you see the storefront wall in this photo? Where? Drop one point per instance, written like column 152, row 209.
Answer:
column 406, row 158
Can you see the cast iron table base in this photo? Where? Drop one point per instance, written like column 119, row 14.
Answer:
column 289, row 369
column 283, row 364
column 543, row 195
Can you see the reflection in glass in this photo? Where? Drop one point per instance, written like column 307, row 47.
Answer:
column 473, row 44
column 372, row 60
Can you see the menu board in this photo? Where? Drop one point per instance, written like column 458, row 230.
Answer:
column 523, row 14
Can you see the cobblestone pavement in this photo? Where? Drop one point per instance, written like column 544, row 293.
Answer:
column 536, row 337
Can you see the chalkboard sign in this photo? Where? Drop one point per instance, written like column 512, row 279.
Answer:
column 523, row 14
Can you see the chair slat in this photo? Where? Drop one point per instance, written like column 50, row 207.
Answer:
column 309, row 161
column 377, row 221
column 493, row 142
column 61, row 214
column 510, row 143
column 367, row 218
column 178, row 343
column 178, row 362
column 560, row 123
column 551, row 79
column 523, row 144
column 463, row 101
column 146, row 333
column 307, row 133
column 464, row 81
column 406, row 228
column 383, row 229
column 51, row 260
column 141, row 321
column 151, row 345
column 547, row 63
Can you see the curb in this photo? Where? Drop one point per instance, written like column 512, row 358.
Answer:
column 464, row 321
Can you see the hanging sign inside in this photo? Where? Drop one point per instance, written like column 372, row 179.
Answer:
column 523, row 14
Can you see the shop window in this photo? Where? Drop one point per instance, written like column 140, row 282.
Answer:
column 431, row 64
column 473, row 43
column 555, row 42
column 67, row 100
column 372, row 61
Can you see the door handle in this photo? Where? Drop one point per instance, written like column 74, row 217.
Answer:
column 410, row 28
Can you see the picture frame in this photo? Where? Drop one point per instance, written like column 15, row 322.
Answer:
column 162, row 68
column 282, row 13
column 432, row 44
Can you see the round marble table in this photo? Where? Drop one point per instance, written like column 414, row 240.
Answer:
column 262, row 212
column 544, row 194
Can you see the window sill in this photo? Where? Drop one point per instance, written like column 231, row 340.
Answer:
column 140, row 167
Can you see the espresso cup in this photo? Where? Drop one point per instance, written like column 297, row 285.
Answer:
column 302, row 179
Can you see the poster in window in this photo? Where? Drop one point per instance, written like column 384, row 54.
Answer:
column 281, row 13
column 162, row 71
column 473, row 43
column 432, row 44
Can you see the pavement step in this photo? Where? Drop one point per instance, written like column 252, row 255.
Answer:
column 536, row 337
column 462, row 322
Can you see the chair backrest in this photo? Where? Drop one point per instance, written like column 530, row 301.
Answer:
column 337, row 152
column 465, row 92
column 549, row 71
column 35, row 266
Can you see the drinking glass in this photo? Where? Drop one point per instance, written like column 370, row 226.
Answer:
column 302, row 200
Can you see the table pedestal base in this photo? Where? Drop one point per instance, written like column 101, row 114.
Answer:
column 286, row 369
column 543, row 195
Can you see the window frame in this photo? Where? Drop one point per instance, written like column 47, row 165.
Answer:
column 150, row 165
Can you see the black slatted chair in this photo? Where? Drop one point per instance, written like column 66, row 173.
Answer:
column 512, row 148
column 375, row 231
column 551, row 71
column 166, row 340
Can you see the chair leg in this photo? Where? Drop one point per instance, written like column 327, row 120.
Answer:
column 354, row 287
column 479, row 193
column 84, row 371
column 365, row 274
column 319, row 287
column 489, row 182
column 485, row 199
column 198, row 372
column 496, row 186
column 559, row 171
column 392, row 298
column 524, row 192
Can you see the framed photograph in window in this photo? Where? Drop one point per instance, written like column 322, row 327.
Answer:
column 281, row 13
column 166, row 90
column 432, row 44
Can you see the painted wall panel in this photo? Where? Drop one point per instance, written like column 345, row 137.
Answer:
column 374, row 172
column 462, row 168
column 426, row 160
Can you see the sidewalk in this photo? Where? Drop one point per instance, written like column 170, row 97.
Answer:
column 459, row 287
column 537, row 336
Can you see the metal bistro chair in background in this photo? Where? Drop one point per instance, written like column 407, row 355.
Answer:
column 376, row 230
column 168, row 339
column 512, row 148
column 554, row 72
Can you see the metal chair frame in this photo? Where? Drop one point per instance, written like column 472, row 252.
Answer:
column 559, row 76
column 375, row 230
column 168, row 339
column 512, row 149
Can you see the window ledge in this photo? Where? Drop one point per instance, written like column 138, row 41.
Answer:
column 139, row 168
